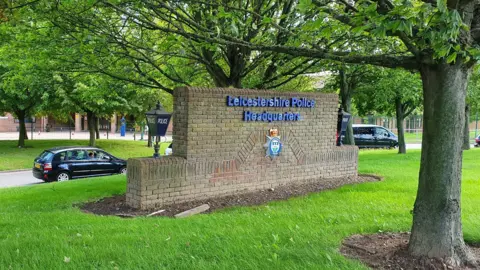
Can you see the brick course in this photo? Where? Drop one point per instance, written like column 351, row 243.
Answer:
column 217, row 153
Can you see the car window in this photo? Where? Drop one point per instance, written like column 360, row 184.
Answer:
column 60, row 156
column 76, row 155
column 92, row 154
column 381, row 132
column 363, row 132
column 103, row 155
column 45, row 155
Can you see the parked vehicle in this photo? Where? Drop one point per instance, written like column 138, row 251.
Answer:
column 477, row 141
column 65, row 163
column 373, row 136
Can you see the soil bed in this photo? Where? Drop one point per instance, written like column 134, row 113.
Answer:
column 389, row 251
column 117, row 206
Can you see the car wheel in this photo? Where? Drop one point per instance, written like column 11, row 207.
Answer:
column 63, row 176
column 123, row 170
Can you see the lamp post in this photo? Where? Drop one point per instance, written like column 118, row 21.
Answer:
column 157, row 121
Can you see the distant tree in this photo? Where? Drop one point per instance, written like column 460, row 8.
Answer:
column 346, row 79
column 391, row 92
column 25, row 68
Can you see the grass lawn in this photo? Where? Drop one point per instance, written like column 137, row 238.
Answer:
column 40, row 229
column 13, row 158
column 416, row 137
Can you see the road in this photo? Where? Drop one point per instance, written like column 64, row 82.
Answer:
column 15, row 179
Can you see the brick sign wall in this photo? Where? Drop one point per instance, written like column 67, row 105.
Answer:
column 218, row 146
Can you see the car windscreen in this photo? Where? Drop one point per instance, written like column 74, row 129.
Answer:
column 45, row 156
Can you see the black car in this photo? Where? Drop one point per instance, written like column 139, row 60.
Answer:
column 373, row 136
column 65, row 163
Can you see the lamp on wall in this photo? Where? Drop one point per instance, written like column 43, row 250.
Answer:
column 157, row 121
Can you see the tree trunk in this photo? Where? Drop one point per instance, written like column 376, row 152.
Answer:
column 91, row 127
column 402, row 149
column 346, row 99
column 466, row 131
column 22, row 135
column 149, row 143
column 97, row 125
column 437, row 227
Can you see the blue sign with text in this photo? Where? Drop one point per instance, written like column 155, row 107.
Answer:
column 278, row 102
column 162, row 125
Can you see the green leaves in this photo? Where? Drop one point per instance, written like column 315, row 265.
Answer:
column 304, row 5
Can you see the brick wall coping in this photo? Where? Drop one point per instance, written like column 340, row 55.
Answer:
column 263, row 93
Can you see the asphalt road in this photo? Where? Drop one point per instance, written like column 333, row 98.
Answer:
column 15, row 179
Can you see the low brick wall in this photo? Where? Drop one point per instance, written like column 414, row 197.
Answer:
column 156, row 182
column 217, row 153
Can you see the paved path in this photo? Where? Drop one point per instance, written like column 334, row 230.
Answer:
column 15, row 179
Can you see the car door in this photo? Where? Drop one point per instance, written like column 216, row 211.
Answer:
column 79, row 165
column 60, row 162
column 363, row 136
column 382, row 138
column 105, row 163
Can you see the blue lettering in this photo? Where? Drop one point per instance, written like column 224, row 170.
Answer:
column 313, row 103
column 249, row 102
column 236, row 102
column 247, row 116
column 294, row 102
column 270, row 103
column 287, row 103
column 254, row 117
column 229, row 101
column 270, row 117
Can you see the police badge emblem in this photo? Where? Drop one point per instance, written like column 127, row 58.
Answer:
column 273, row 145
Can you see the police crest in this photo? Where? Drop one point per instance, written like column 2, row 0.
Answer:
column 274, row 144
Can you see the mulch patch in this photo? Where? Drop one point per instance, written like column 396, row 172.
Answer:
column 389, row 251
column 117, row 206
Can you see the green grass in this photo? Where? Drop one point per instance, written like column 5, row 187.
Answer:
column 39, row 227
column 416, row 137
column 13, row 158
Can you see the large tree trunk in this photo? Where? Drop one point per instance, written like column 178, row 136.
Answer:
column 97, row 125
column 437, row 227
column 402, row 149
column 346, row 99
column 22, row 135
column 91, row 127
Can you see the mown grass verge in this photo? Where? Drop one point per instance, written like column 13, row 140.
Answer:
column 40, row 229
